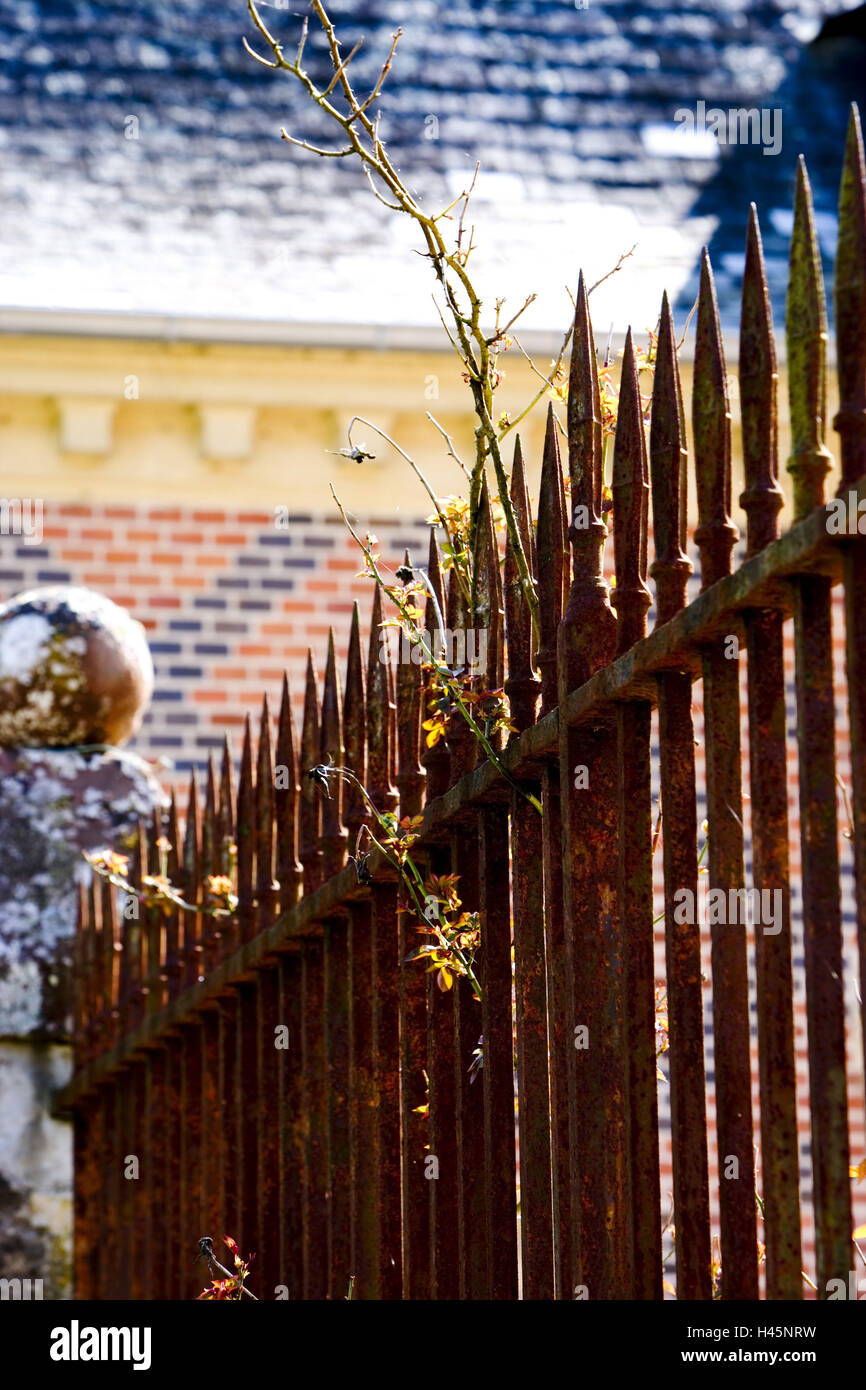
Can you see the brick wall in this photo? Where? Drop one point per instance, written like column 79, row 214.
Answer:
column 228, row 602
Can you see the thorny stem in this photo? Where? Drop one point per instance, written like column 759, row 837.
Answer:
column 443, row 672
column 215, row 1264
column 443, row 522
column 476, row 349
column 412, row 880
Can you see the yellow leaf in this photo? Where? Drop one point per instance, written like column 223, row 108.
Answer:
column 860, row 1233
column 858, row 1170
column 444, row 980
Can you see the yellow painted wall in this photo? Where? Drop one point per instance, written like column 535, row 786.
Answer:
column 123, row 420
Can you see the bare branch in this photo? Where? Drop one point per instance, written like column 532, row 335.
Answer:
column 305, row 29
column 624, row 257
column 503, row 332
column 258, row 57
column 341, row 69
column 268, row 38
column 688, row 321
column 449, row 443
column 314, row 149
column 359, row 420
column 466, row 196
column 395, row 207
column 333, row 45
column 548, row 380
column 548, row 383
column 386, row 68
column 465, row 360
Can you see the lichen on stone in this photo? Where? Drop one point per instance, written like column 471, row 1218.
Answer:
column 75, row 669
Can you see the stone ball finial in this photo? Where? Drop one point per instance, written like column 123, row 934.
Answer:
column 74, row 669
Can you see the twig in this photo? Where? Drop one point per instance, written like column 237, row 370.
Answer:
column 624, row 257
column 450, row 444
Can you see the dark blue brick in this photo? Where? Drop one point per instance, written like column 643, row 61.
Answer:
column 320, row 542
column 35, row 552
column 256, row 605
column 231, row 627
column 233, row 583
column 210, row 603
column 165, row 741
column 254, row 561
column 210, row 649
column 175, row 719
column 165, row 648
column 278, row 538
column 278, row 583
column 54, row 576
column 208, row 741
column 185, row 625
column 178, row 672
column 168, row 695
column 12, row 576
column 305, row 562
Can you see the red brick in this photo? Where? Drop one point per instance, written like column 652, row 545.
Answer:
column 70, row 509
column 122, row 557
column 78, row 557
column 187, row 537
column 323, row 586
column 188, row 581
column 255, row 518
column 250, row 649
column 99, row 581
column 163, row 601
column 94, row 533
column 207, row 516
column 231, row 538
column 138, row 535
column 141, row 580
column 229, row 673
column 280, row 629
column 209, row 697
column 164, row 514
column 55, row 533
column 121, row 513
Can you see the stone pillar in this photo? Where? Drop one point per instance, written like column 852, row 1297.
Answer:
column 75, row 679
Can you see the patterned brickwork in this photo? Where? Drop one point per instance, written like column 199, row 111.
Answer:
column 228, row 600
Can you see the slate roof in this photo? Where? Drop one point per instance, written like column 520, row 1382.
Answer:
column 208, row 214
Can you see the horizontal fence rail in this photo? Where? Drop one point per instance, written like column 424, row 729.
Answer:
column 284, row 1074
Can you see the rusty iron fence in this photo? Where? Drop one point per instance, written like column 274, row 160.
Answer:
column 322, row 1155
